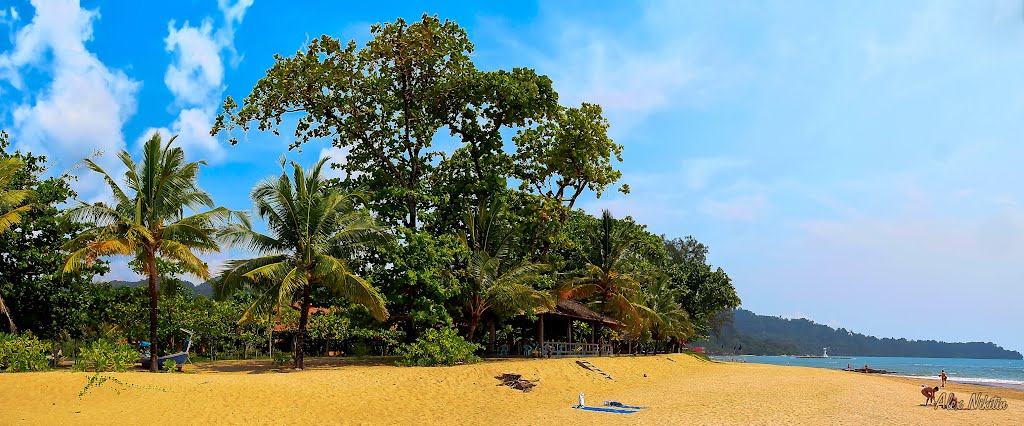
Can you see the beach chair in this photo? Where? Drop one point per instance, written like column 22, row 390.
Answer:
column 527, row 350
column 502, row 351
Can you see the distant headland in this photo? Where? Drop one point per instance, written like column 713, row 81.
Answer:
column 744, row 332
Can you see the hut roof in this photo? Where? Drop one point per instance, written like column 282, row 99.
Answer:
column 575, row 309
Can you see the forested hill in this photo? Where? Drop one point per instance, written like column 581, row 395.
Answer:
column 204, row 289
column 752, row 334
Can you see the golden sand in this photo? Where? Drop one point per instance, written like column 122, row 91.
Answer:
column 678, row 389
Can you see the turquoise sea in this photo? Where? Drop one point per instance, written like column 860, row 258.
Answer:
column 992, row 372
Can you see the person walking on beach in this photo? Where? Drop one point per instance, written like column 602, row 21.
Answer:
column 929, row 394
column 942, row 376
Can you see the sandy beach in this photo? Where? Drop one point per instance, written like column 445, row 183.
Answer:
column 678, row 389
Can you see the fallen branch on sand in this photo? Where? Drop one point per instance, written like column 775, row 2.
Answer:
column 516, row 381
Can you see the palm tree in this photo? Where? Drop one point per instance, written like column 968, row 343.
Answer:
column 663, row 315
column 11, row 209
column 607, row 276
column 313, row 230
column 497, row 284
column 148, row 220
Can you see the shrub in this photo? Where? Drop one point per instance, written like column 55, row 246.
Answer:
column 282, row 358
column 104, row 355
column 438, row 347
column 22, row 353
column 360, row 350
column 169, row 366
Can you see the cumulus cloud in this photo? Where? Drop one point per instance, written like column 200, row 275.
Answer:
column 83, row 105
column 195, row 75
column 337, row 156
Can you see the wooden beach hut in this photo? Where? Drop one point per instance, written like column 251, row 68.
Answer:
column 554, row 330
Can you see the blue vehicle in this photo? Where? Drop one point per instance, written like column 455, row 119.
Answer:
column 179, row 358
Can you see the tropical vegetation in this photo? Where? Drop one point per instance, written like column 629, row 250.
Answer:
column 408, row 251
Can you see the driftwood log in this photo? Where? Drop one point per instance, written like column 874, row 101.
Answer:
column 516, row 381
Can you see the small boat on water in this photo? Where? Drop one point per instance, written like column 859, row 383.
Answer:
column 179, row 358
column 824, row 354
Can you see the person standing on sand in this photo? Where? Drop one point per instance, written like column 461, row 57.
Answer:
column 929, row 394
column 942, row 376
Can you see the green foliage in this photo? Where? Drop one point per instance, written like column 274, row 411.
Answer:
column 701, row 291
column 383, row 102
column 104, row 355
column 438, row 347
column 38, row 296
column 169, row 366
column 147, row 219
column 281, row 358
column 20, row 353
column 568, row 154
column 360, row 350
column 496, row 283
column 748, row 333
column 314, row 230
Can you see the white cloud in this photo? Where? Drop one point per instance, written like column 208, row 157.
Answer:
column 195, row 76
column 85, row 104
column 632, row 71
column 337, row 156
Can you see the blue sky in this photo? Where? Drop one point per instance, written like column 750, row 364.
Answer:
column 855, row 163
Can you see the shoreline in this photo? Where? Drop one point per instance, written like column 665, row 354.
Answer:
column 676, row 389
column 971, row 381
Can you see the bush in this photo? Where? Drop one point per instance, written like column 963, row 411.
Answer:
column 22, row 353
column 104, row 355
column 282, row 358
column 438, row 347
column 169, row 366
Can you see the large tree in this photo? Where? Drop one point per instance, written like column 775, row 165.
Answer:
column 702, row 290
column 11, row 205
column 148, row 219
column 383, row 103
column 567, row 154
column 41, row 298
column 313, row 231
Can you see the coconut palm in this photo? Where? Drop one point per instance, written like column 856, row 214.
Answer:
column 148, row 219
column 663, row 316
column 12, row 201
column 497, row 284
column 314, row 229
column 12, row 207
column 607, row 276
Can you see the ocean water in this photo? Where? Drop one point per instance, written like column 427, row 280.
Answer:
column 993, row 372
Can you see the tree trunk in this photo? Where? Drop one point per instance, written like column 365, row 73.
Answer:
column 491, row 344
column 7, row 313
column 474, row 319
column 300, row 341
column 270, row 335
column 151, row 270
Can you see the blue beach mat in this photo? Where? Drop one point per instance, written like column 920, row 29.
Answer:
column 617, row 405
column 604, row 409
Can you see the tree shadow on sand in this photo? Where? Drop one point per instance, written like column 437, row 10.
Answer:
column 264, row 366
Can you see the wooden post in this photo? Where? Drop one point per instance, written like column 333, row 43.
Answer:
column 593, row 331
column 540, row 332
column 569, row 328
column 492, row 337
